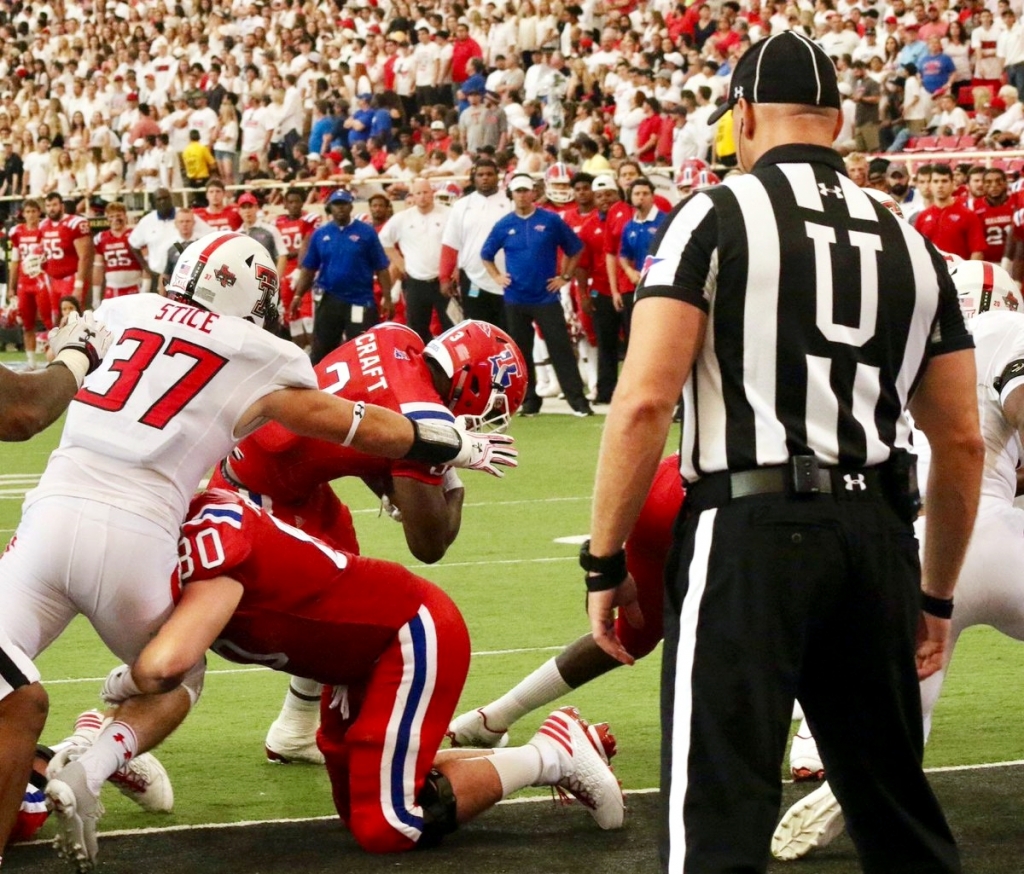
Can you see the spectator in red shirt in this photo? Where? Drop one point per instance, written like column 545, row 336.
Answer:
column 948, row 223
column 464, row 47
column 725, row 37
column 649, row 132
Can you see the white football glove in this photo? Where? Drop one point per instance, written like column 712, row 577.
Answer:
column 486, row 452
column 119, row 686
column 80, row 344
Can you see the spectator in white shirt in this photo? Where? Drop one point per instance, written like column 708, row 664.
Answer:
column 38, row 165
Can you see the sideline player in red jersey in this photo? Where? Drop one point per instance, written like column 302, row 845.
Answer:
column 118, row 270
column 295, row 228
column 995, row 210
column 68, row 254
column 558, row 193
column 583, row 660
column 473, row 370
column 395, row 650
column 218, row 214
column 31, row 285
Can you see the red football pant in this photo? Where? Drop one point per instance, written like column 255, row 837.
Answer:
column 646, row 551
column 380, row 744
column 35, row 304
column 63, row 287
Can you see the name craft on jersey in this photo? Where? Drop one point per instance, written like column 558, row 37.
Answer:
column 369, row 361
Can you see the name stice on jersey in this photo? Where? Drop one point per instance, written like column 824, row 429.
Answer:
column 369, row 363
column 189, row 316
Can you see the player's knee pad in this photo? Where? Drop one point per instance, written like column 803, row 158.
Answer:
column 193, row 681
column 437, row 798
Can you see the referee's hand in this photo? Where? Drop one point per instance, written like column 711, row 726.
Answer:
column 601, row 608
column 932, row 642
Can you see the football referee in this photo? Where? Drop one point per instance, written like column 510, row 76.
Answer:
column 803, row 319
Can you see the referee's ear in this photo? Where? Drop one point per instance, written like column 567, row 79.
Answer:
column 838, row 127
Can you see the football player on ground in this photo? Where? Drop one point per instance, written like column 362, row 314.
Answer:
column 473, row 370
column 185, row 379
column 583, row 660
column 988, row 591
column 393, row 653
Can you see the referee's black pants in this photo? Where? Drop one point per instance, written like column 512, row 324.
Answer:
column 608, row 324
column 423, row 296
column 335, row 321
column 551, row 321
column 768, row 598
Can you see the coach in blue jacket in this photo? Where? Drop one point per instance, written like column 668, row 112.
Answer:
column 344, row 256
column 531, row 239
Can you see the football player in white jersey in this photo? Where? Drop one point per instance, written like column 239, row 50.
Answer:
column 988, row 591
column 184, row 381
column 29, row 402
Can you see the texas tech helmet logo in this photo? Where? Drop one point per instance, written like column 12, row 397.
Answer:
column 503, row 368
column 267, row 278
column 224, row 276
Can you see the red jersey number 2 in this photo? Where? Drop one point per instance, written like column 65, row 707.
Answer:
column 129, row 372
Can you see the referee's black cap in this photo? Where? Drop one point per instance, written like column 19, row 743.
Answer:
column 785, row 68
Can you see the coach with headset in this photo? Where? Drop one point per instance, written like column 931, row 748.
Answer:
column 800, row 320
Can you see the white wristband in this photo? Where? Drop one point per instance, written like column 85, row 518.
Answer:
column 358, row 411
column 74, row 360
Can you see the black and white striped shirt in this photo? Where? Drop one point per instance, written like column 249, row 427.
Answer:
column 823, row 310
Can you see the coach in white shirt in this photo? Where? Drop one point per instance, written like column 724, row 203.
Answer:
column 152, row 237
column 412, row 241
column 471, row 220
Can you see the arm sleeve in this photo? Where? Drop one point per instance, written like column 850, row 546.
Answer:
column 683, row 259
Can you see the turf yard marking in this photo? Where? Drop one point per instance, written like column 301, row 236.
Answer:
column 376, row 510
column 530, row 799
column 67, row 681
column 449, row 564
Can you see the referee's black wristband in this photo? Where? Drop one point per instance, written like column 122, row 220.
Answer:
column 940, row 608
column 603, row 572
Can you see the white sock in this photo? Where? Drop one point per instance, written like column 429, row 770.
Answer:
column 517, row 768
column 539, row 688
column 301, row 709
column 31, row 356
column 115, row 746
column 87, row 726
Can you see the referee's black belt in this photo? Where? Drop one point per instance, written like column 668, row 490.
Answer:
column 801, row 477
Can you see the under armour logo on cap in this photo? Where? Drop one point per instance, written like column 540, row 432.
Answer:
column 784, row 68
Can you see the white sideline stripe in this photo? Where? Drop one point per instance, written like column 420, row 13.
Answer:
column 483, row 652
column 532, row 799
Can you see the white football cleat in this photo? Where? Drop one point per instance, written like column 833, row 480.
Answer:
column 78, row 811
column 583, row 752
column 811, row 823
column 471, row 730
column 804, row 760
column 144, row 780
column 286, row 747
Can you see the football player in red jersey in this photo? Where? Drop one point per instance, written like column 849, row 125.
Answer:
column 473, row 370
column 392, row 651
column 68, row 253
column 118, row 270
column 31, row 285
column 295, row 227
column 580, row 216
column 558, row 191
column 218, row 214
column 583, row 660
column 996, row 213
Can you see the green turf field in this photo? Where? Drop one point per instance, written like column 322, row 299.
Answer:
column 522, row 597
